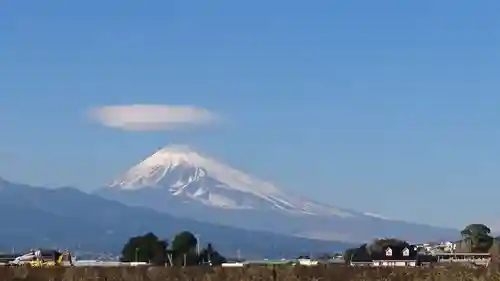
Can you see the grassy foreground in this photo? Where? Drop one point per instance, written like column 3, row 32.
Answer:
column 279, row 273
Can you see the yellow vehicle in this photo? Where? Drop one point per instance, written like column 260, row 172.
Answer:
column 44, row 258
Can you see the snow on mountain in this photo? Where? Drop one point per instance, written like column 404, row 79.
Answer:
column 191, row 176
column 181, row 182
column 376, row 216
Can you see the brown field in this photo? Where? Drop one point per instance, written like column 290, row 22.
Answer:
column 254, row 273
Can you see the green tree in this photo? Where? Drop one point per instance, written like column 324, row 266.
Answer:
column 356, row 254
column 160, row 253
column 475, row 230
column 184, row 242
column 479, row 237
column 378, row 245
column 348, row 254
column 146, row 248
column 183, row 249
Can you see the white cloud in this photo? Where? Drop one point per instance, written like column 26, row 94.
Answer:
column 141, row 117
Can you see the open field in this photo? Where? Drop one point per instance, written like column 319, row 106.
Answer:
column 252, row 273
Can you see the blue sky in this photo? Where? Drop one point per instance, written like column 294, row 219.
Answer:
column 369, row 105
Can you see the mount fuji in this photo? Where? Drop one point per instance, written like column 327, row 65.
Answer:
column 179, row 181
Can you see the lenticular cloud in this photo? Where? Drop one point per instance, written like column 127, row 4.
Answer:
column 151, row 117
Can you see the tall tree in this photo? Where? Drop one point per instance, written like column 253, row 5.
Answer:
column 183, row 248
column 475, row 229
column 184, row 242
column 479, row 237
column 160, row 253
column 146, row 248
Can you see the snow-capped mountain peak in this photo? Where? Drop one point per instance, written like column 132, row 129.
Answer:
column 153, row 169
column 182, row 182
column 191, row 176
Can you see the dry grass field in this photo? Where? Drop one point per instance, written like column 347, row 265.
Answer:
column 279, row 273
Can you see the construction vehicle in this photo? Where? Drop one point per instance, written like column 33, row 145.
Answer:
column 43, row 258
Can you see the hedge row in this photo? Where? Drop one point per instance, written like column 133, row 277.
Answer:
column 254, row 273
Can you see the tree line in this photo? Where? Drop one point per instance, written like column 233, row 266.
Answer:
column 183, row 251
column 476, row 238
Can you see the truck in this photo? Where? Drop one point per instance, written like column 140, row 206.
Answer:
column 43, row 258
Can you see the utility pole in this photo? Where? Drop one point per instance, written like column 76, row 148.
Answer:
column 170, row 259
column 136, row 254
column 197, row 244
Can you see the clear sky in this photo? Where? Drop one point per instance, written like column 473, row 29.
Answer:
column 391, row 107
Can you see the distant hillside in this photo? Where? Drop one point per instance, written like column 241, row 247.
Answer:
column 69, row 218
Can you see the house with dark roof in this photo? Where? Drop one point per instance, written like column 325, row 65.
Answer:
column 389, row 256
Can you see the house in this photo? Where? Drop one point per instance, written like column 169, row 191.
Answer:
column 392, row 256
column 406, row 252
column 397, row 256
column 388, row 252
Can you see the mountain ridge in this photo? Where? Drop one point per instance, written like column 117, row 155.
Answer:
column 70, row 218
column 179, row 181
